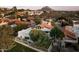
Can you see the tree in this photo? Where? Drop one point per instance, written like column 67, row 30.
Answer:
column 12, row 14
column 6, row 38
column 14, row 8
column 40, row 38
column 53, row 23
column 19, row 27
column 37, row 20
column 57, row 34
column 67, row 21
column 44, row 14
column 15, row 11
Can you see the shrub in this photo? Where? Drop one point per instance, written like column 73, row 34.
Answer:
column 40, row 38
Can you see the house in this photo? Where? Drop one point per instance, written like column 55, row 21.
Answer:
column 3, row 22
column 46, row 24
column 13, row 25
column 24, row 33
column 46, row 27
column 70, row 35
column 30, row 18
column 76, row 28
column 37, row 12
column 71, row 32
column 21, row 13
column 34, row 12
column 30, row 12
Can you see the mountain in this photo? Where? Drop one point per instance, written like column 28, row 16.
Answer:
column 46, row 8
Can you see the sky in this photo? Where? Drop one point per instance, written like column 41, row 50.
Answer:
column 66, row 8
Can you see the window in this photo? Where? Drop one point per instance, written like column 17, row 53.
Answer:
column 26, row 37
column 46, row 31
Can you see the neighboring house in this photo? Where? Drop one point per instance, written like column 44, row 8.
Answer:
column 70, row 35
column 30, row 12
column 76, row 28
column 3, row 23
column 49, row 19
column 34, row 12
column 21, row 13
column 30, row 18
column 13, row 25
column 46, row 24
column 32, row 24
column 38, row 12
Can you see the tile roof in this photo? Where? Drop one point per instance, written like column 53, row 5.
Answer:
column 69, row 33
column 46, row 25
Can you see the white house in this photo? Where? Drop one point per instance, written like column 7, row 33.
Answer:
column 24, row 33
column 76, row 28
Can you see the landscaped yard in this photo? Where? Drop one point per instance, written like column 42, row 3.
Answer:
column 20, row 48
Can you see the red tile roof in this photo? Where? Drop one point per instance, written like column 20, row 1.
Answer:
column 69, row 33
column 46, row 25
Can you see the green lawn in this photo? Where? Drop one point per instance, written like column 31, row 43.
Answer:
column 20, row 48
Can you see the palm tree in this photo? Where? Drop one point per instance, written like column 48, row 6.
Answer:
column 57, row 35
